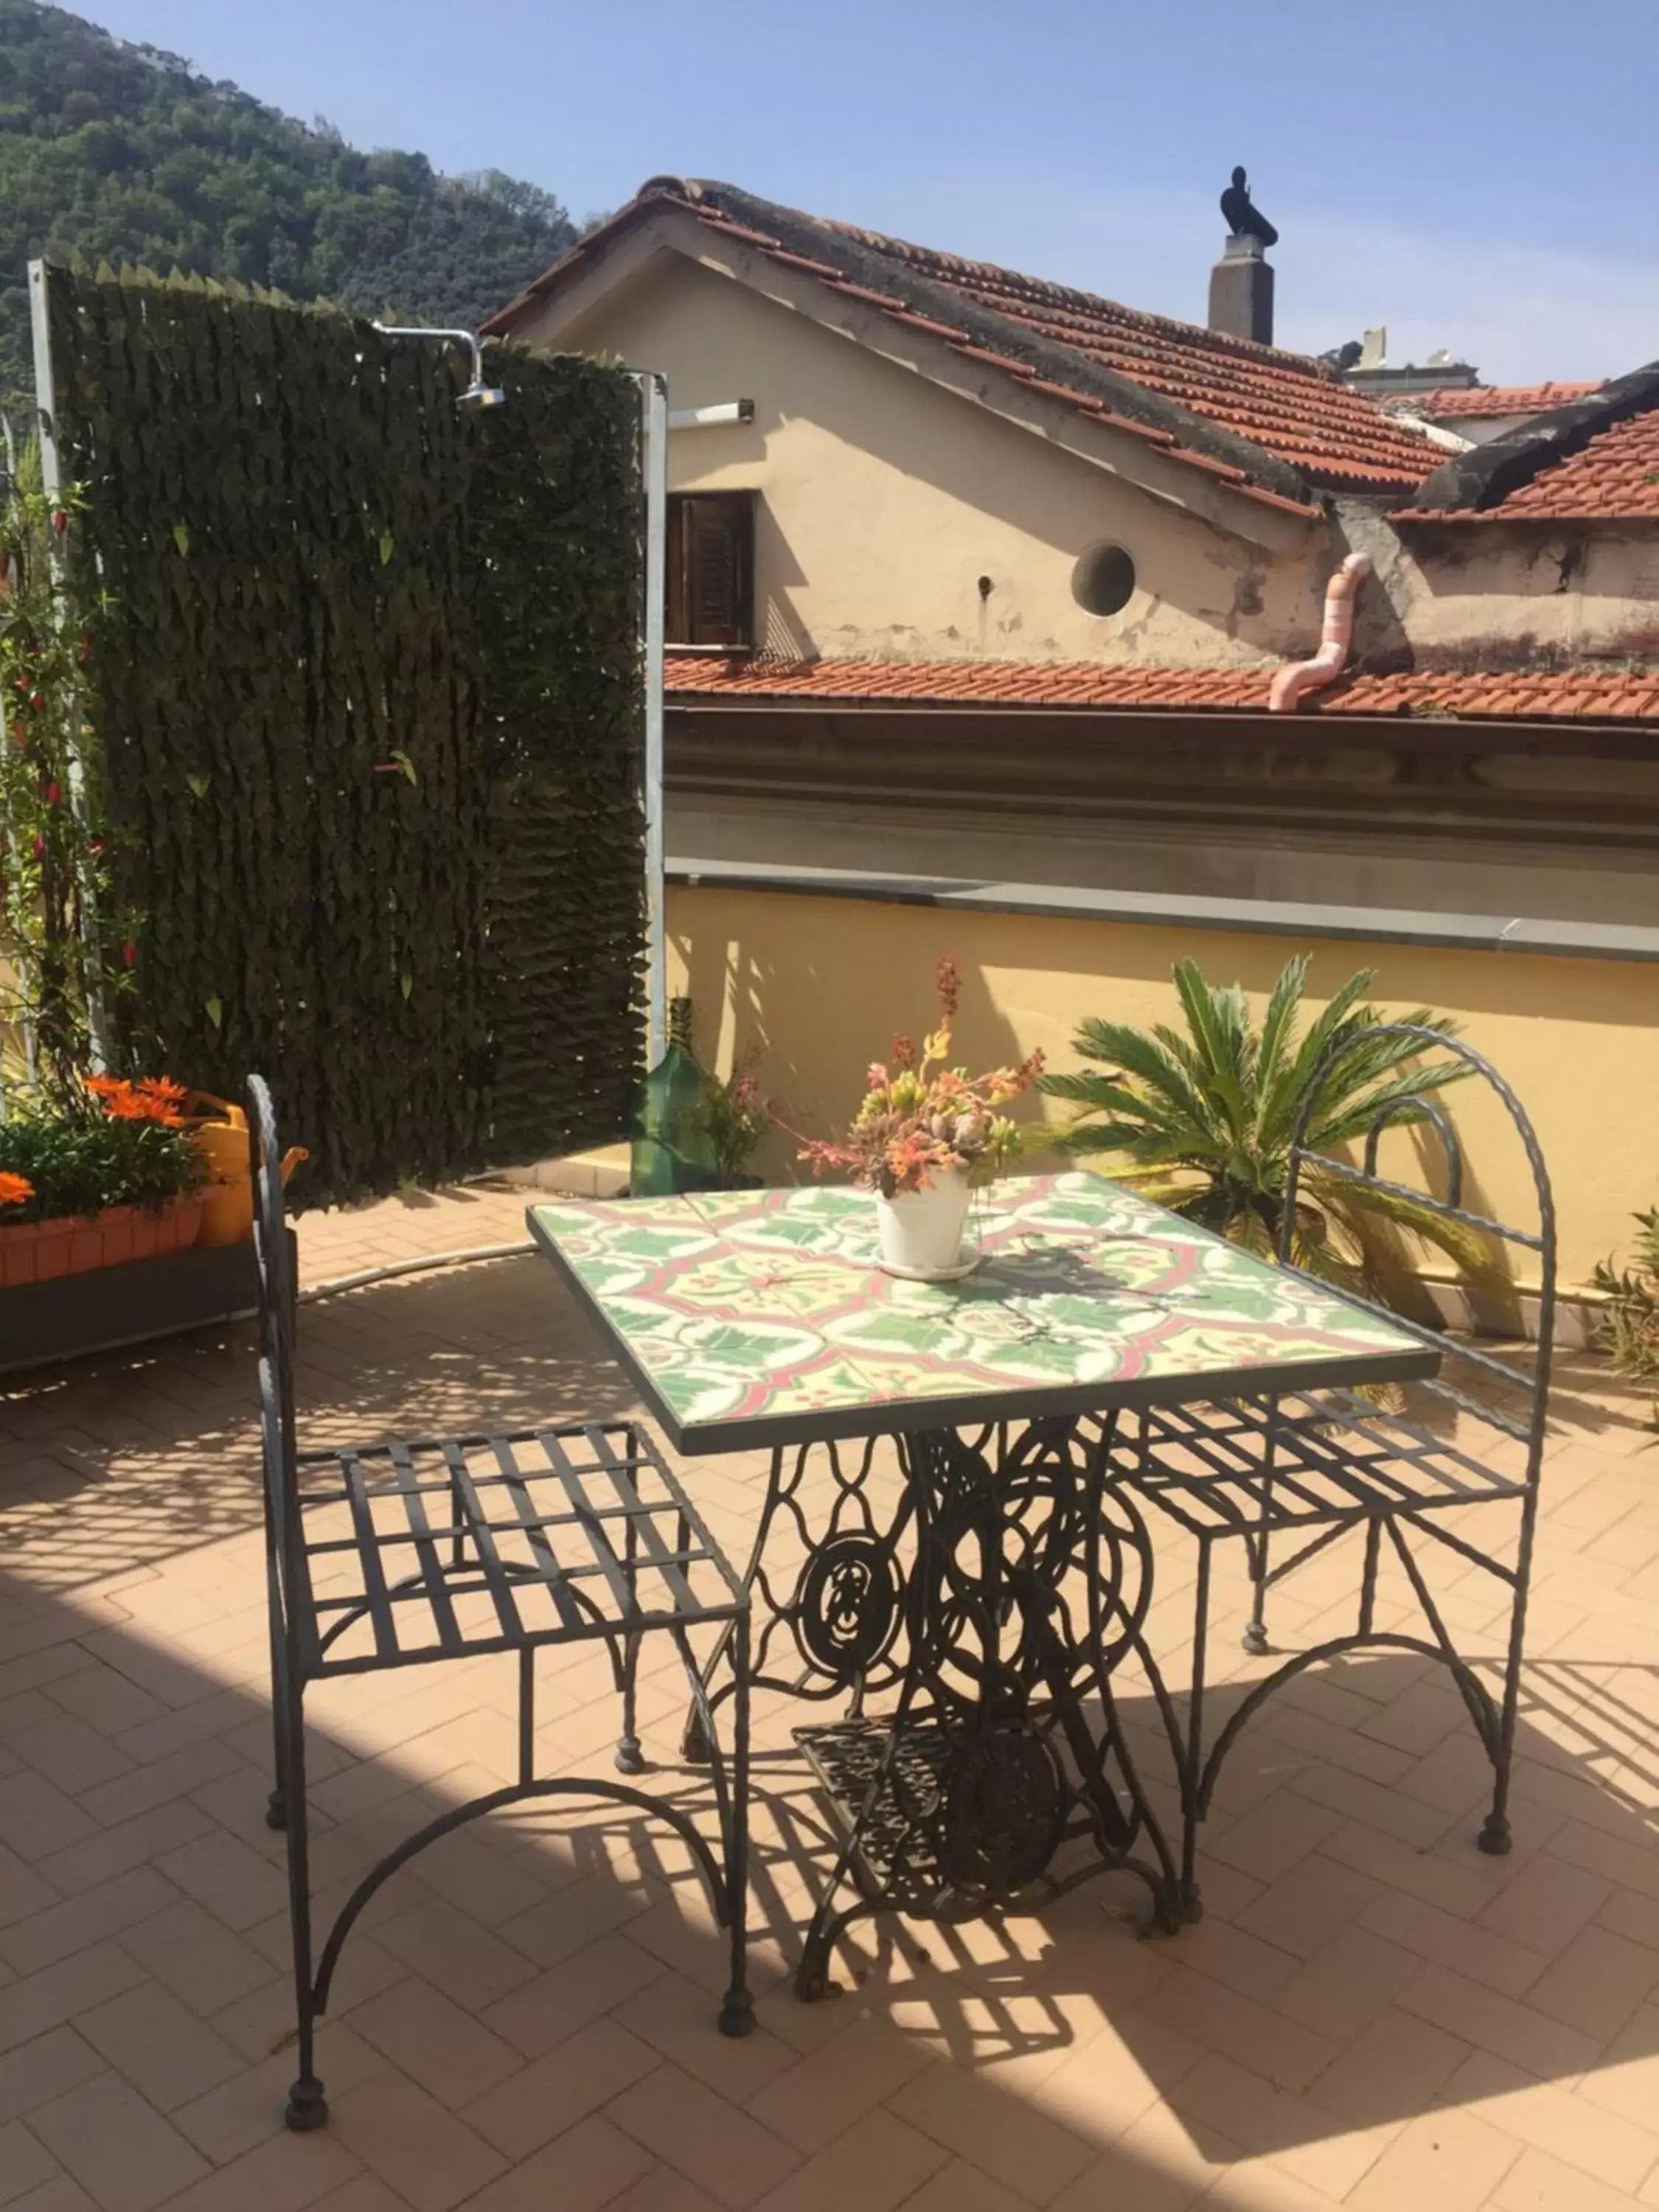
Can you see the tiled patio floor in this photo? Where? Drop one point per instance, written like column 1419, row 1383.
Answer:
column 1371, row 2013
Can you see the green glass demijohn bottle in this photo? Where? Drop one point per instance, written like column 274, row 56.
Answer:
column 673, row 1149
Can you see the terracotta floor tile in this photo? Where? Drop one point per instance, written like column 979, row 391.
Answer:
column 61, row 2194
column 1595, row 2141
column 114, row 1906
column 1626, row 2076
column 36, row 1817
column 25, row 2165
column 1277, row 1836
column 556, row 2090
column 34, row 2073
column 236, row 1884
column 599, row 1978
column 1448, row 2160
column 163, row 2049
column 1162, row 2164
column 456, row 1952
column 1305, row 1908
column 1538, row 2183
column 675, row 2017
column 197, row 1957
column 589, row 2165
column 826, row 2091
column 662, row 2189
column 23, row 1889
column 451, row 2054
column 246, row 2109
column 69, row 1753
column 1020, row 2148
column 702, row 2137
column 36, row 2003
column 290, row 2173
column 1270, row 2042
column 1599, row 1982
column 119, row 2147
column 1526, row 2039
column 1392, row 2069
column 1498, row 1961
column 419, row 2149
column 134, row 1843
column 875, row 2165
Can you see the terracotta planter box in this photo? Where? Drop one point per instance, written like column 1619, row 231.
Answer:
column 42, row 1251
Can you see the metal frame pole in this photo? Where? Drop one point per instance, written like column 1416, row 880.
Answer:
column 51, row 484
column 654, row 388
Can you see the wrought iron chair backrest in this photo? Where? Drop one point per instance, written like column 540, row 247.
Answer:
column 1428, row 1108
column 273, row 1252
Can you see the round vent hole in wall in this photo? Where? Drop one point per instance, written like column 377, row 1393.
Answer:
column 1103, row 580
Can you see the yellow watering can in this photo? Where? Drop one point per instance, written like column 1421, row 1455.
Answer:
column 222, row 1134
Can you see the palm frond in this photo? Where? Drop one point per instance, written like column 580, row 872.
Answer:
column 1356, row 1205
column 1277, row 1023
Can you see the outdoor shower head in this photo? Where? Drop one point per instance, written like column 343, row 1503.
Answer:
column 477, row 393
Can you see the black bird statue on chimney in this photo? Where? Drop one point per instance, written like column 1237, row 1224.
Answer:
column 1243, row 219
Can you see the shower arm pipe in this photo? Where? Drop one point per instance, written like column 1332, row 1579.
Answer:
column 1300, row 676
column 470, row 339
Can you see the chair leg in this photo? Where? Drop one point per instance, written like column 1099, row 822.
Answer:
column 738, row 2011
column 630, row 1758
column 1495, row 1838
column 306, row 2105
column 1254, row 1638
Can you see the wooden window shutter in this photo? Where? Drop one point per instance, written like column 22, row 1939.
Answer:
column 711, row 537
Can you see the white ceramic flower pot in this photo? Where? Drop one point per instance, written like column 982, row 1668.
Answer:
column 921, row 1230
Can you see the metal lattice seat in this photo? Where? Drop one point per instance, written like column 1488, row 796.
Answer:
column 1287, row 1465
column 396, row 1554
column 449, row 1548
column 1293, row 1475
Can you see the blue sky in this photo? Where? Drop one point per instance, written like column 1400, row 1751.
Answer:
column 1478, row 175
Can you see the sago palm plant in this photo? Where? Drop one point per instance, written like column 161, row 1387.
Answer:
column 1203, row 1121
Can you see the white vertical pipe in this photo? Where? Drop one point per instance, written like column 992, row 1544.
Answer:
column 654, row 394
column 52, row 482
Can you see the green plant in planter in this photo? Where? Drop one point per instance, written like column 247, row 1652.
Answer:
column 733, row 1115
column 1627, row 1327
column 117, row 1144
column 64, row 949
column 1203, row 1120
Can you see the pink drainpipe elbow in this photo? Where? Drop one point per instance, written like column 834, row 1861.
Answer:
column 1293, row 683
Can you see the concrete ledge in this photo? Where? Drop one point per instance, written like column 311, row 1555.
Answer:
column 602, row 1173
column 1579, row 940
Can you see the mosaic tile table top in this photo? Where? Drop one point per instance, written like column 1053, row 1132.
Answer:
column 761, row 1317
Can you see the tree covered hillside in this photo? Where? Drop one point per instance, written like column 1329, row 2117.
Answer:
column 125, row 154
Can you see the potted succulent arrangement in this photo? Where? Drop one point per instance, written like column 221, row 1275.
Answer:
column 109, row 1176
column 926, row 1134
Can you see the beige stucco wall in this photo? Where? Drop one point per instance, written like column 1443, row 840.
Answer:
column 886, row 498
column 823, row 984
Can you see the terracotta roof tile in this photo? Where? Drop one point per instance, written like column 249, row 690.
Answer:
column 1580, row 694
column 1614, row 479
column 1285, row 407
column 1490, row 399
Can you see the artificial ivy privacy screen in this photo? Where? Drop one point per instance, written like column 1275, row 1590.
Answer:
column 368, row 703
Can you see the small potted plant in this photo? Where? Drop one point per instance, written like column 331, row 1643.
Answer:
column 735, row 1121
column 926, row 1134
column 109, row 1175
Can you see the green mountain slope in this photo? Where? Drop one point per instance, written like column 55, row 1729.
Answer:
column 126, row 154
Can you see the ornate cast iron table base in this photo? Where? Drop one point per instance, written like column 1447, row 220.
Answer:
column 986, row 1607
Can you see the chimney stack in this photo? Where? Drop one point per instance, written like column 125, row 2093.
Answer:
column 1242, row 290
column 1242, row 282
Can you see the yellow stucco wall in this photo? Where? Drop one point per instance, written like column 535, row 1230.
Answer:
column 823, row 983
column 885, row 499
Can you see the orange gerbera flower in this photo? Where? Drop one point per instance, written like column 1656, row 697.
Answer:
column 151, row 1098
column 14, row 1189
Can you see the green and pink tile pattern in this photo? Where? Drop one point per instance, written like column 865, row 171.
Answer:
column 761, row 1316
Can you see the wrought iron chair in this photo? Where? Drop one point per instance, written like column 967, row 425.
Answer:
column 1306, row 1469
column 394, row 1553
